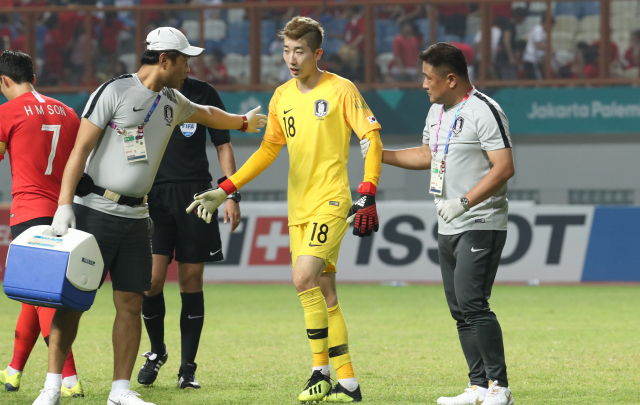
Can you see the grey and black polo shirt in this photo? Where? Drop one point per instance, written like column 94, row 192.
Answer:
column 480, row 127
column 125, row 102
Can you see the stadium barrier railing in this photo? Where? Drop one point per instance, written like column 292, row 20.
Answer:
column 371, row 78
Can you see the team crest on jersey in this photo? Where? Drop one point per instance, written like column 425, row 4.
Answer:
column 321, row 108
column 457, row 128
column 168, row 114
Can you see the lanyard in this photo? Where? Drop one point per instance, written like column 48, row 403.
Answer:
column 153, row 108
column 453, row 123
column 146, row 119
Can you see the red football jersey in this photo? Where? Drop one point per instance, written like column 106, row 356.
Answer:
column 40, row 133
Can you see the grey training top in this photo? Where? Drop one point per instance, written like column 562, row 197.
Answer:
column 125, row 102
column 481, row 126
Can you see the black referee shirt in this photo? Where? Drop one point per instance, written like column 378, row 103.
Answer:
column 185, row 158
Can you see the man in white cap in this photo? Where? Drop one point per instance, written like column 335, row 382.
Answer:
column 124, row 131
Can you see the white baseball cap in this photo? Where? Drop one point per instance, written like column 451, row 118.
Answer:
column 170, row 39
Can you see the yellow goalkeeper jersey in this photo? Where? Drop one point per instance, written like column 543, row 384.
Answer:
column 316, row 126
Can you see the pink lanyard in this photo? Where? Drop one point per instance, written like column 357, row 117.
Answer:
column 453, row 123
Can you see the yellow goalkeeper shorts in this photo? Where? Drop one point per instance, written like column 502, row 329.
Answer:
column 320, row 237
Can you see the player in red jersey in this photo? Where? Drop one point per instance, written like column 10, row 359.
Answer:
column 39, row 133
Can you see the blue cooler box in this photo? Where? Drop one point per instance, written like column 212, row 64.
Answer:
column 50, row 271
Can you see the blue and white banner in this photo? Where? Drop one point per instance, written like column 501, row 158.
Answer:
column 564, row 243
column 554, row 244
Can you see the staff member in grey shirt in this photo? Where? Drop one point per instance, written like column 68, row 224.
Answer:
column 467, row 146
column 125, row 129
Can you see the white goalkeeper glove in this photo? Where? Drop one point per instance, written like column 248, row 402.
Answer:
column 63, row 219
column 255, row 121
column 364, row 147
column 450, row 209
column 207, row 203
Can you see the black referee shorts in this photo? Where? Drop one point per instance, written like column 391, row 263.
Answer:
column 193, row 240
column 125, row 244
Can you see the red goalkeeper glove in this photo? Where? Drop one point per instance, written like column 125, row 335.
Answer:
column 364, row 211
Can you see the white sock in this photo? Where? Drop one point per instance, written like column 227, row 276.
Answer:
column 119, row 386
column 70, row 381
column 323, row 369
column 482, row 391
column 349, row 383
column 53, row 381
column 12, row 371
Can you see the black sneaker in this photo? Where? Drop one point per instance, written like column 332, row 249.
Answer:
column 317, row 387
column 187, row 377
column 341, row 394
column 149, row 372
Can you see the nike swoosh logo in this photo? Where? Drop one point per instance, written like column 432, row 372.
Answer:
column 149, row 317
column 478, row 402
column 195, row 317
column 213, row 253
column 134, row 109
column 317, row 333
column 433, row 125
column 311, row 245
column 477, row 250
column 287, row 111
column 117, row 403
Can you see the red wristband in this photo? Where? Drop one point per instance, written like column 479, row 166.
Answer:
column 228, row 186
column 245, row 124
column 367, row 188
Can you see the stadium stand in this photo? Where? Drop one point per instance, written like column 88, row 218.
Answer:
column 228, row 30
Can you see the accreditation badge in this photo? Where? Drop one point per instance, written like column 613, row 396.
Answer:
column 437, row 177
column 135, row 149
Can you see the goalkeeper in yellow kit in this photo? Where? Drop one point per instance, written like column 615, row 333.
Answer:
column 313, row 114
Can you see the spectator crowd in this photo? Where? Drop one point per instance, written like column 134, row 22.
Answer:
column 518, row 38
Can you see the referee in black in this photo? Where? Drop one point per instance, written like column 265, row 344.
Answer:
column 183, row 172
column 467, row 145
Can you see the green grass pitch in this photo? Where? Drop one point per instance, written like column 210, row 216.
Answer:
column 567, row 345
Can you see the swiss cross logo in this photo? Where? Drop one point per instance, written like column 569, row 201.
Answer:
column 270, row 242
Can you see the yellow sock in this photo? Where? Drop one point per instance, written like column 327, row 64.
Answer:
column 316, row 319
column 339, row 343
column 321, row 359
column 345, row 371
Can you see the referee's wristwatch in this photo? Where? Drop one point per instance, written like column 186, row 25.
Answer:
column 464, row 201
column 235, row 197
